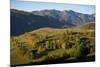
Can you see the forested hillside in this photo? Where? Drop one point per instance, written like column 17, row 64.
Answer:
column 47, row 45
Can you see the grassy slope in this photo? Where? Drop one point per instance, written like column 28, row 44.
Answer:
column 29, row 40
column 88, row 26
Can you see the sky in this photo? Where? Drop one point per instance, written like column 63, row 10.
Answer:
column 31, row 6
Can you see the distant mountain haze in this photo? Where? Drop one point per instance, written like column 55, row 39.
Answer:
column 66, row 16
column 22, row 21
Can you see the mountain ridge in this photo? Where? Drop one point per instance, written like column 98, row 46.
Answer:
column 23, row 21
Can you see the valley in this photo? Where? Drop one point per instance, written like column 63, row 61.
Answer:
column 51, row 36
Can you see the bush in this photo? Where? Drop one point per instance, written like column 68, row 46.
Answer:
column 56, row 54
column 77, row 51
column 92, row 49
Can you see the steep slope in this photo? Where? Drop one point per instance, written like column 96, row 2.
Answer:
column 47, row 44
column 88, row 26
column 22, row 21
column 65, row 16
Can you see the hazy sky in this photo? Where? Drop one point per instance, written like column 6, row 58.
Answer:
column 31, row 6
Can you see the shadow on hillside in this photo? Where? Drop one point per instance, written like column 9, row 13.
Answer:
column 61, row 60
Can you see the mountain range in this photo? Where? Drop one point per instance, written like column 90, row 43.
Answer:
column 23, row 21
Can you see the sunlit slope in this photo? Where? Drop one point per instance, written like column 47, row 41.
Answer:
column 46, row 43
